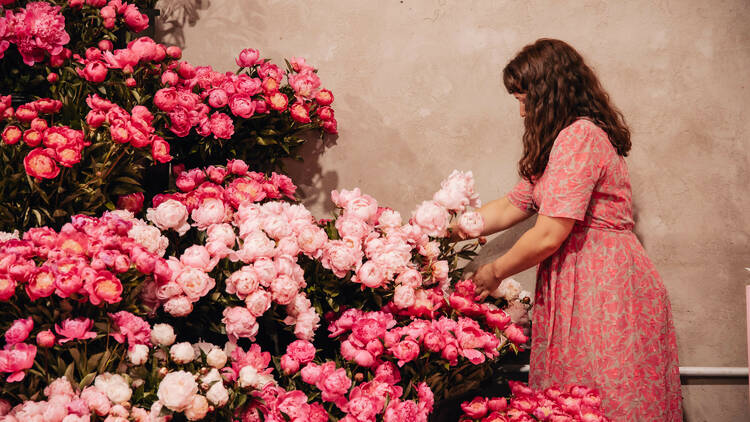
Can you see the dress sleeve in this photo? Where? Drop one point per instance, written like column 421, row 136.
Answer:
column 572, row 172
column 521, row 196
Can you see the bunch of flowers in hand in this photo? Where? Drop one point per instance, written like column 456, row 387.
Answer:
column 554, row 404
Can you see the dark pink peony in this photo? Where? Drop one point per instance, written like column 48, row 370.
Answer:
column 38, row 30
column 75, row 329
column 15, row 359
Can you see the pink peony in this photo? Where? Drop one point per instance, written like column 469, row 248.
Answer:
column 39, row 30
column 405, row 351
column 15, row 359
column 324, row 97
column 40, row 163
column 195, row 283
column 432, row 218
column 75, row 329
column 299, row 113
column 242, row 106
column 289, row 365
column 248, row 57
column 515, row 334
column 258, row 302
column 476, row 408
column 304, row 83
column 471, row 223
column 96, row 400
column 19, row 331
column 221, row 125
column 103, row 286
column 239, row 322
column 132, row 328
column 403, row 296
column 301, row 350
column 45, row 339
column 132, row 202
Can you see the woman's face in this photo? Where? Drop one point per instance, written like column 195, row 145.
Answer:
column 521, row 102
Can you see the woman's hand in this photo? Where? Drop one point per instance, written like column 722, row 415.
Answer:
column 456, row 234
column 485, row 280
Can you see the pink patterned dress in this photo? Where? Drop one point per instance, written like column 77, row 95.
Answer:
column 601, row 317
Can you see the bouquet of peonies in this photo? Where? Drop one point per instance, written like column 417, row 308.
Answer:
column 144, row 108
column 574, row 403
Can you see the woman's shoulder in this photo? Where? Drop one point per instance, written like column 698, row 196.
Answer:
column 582, row 131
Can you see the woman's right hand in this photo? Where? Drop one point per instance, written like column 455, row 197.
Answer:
column 456, row 234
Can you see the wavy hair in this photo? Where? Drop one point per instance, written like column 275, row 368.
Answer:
column 559, row 88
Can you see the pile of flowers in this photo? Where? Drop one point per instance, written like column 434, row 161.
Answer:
column 233, row 262
column 554, row 404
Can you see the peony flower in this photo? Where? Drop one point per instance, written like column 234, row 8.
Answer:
column 75, row 329
column 182, row 353
column 45, row 339
column 19, row 331
column 115, row 386
column 130, row 327
column 197, row 409
column 132, row 202
column 403, row 296
column 324, row 97
column 170, row 214
column 163, row 335
column 216, row 358
column 432, row 218
column 176, row 390
column 221, row 125
column 103, row 286
column 299, row 113
column 476, row 408
column 40, row 163
column 239, row 322
column 179, row 306
column 138, row 354
column 471, row 223
column 248, row 57
column 16, row 358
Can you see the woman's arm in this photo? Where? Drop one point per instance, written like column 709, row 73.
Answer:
column 538, row 243
column 498, row 215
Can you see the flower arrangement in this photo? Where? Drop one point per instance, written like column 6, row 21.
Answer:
column 144, row 109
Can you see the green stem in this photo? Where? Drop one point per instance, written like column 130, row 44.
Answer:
column 113, row 165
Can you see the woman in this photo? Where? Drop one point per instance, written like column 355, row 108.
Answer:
column 601, row 316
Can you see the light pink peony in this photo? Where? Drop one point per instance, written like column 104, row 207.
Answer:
column 210, row 211
column 403, row 296
column 96, row 400
column 170, row 214
column 239, row 322
column 178, row 306
column 471, row 223
column 432, row 218
column 371, row 275
column 258, row 302
column 243, row 282
column 195, row 283
column 176, row 390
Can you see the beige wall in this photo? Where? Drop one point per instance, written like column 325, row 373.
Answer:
column 418, row 93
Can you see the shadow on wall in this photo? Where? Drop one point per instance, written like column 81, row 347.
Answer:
column 313, row 184
column 174, row 15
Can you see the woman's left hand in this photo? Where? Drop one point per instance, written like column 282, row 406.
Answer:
column 484, row 279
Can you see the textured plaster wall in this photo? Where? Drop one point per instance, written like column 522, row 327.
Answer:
column 418, row 93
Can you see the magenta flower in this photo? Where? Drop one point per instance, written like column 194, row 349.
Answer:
column 75, row 329
column 37, row 30
column 15, row 359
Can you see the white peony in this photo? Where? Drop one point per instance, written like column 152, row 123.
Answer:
column 216, row 358
column 170, row 214
column 197, row 409
column 138, row 354
column 182, row 353
column 176, row 390
column 509, row 289
column 163, row 335
column 115, row 386
column 218, row 394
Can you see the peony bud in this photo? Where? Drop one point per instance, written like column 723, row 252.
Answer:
column 52, row 77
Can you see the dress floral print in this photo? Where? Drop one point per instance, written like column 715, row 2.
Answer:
column 602, row 316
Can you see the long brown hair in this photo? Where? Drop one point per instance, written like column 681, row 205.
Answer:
column 559, row 88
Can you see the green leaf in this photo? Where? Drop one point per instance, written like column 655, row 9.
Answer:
column 69, row 372
column 87, row 380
